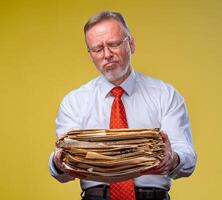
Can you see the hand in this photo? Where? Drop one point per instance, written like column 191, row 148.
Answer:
column 58, row 161
column 170, row 161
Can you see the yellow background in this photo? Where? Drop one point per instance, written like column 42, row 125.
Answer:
column 43, row 56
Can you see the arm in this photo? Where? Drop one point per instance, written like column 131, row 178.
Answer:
column 67, row 119
column 175, row 123
column 180, row 158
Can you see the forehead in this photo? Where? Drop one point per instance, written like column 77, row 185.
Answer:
column 105, row 30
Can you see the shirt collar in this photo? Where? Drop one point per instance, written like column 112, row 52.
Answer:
column 128, row 85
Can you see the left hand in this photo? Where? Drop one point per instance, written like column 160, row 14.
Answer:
column 170, row 161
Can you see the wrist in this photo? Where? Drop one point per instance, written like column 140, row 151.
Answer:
column 175, row 161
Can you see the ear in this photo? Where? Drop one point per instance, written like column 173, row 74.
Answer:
column 132, row 45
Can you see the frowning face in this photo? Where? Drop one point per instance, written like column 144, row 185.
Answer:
column 110, row 49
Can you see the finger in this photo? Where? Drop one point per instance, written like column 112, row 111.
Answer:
column 58, row 159
column 158, row 170
column 165, row 163
column 162, row 163
column 76, row 175
column 165, row 160
column 58, row 156
column 167, row 146
column 165, row 138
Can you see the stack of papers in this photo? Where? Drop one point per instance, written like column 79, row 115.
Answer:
column 111, row 155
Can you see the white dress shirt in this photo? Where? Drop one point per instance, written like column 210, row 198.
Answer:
column 149, row 103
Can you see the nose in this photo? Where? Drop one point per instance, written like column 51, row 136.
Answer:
column 107, row 53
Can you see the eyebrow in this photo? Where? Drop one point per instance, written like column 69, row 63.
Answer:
column 112, row 41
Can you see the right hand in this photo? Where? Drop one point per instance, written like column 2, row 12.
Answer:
column 58, row 161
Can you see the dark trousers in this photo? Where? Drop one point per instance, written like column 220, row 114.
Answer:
column 101, row 198
column 102, row 193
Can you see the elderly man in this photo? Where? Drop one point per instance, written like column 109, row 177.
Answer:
column 141, row 102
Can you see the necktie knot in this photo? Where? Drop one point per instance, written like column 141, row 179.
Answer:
column 117, row 91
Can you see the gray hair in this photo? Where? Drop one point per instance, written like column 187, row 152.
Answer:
column 106, row 15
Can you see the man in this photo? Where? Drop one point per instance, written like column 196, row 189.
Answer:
column 147, row 102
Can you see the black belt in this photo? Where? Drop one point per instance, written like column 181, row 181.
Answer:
column 142, row 193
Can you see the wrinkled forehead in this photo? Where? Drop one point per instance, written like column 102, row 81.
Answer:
column 105, row 29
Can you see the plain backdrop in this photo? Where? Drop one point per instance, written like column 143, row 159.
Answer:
column 43, row 56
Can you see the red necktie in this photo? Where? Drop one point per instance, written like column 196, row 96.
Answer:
column 121, row 190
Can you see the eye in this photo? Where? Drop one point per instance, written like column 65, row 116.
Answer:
column 114, row 44
column 97, row 49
